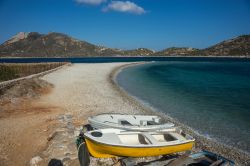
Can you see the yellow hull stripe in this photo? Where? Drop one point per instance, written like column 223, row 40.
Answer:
column 99, row 150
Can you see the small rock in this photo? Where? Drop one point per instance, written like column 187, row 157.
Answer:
column 35, row 160
column 51, row 136
column 60, row 117
column 70, row 126
column 67, row 154
column 101, row 161
column 68, row 116
column 76, row 133
column 65, row 159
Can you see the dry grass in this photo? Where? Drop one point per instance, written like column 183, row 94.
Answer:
column 10, row 71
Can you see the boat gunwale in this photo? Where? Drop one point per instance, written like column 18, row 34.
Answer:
column 160, row 126
column 135, row 127
column 123, row 114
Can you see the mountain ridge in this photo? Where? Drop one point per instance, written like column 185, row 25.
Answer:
column 34, row 44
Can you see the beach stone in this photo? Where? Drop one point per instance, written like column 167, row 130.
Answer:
column 128, row 162
column 51, row 136
column 69, row 116
column 101, row 161
column 67, row 153
column 70, row 126
column 62, row 142
column 60, row 118
column 76, row 132
column 65, row 159
column 55, row 162
column 71, row 146
column 35, row 161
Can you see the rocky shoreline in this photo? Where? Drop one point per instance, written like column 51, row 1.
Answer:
column 202, row 142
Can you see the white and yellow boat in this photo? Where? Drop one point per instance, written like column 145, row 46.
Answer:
column 105, row 143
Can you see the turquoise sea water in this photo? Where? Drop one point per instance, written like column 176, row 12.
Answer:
column 213, row 98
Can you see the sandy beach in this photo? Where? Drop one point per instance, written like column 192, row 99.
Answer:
column 48, row 123
column 87, row 90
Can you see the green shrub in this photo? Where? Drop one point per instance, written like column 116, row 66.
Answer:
column 12, row 71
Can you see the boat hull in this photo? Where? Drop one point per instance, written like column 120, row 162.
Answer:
column 100, row 150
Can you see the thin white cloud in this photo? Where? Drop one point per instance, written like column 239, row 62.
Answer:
column 124, row 6
column 90, row 2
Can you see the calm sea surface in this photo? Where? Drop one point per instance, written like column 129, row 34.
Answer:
column 116, row 59
column 212, row 97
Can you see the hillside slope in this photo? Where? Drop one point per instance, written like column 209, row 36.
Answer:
column 177, row 51
column 55, row 44
column 50, row 45
column 239, row 46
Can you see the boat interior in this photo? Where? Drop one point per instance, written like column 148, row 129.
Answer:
column 143, row 138
column 142, row 122
column 129, row 120
column 124, row 122
column 164, row 137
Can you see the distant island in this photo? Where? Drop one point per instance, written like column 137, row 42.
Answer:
column 34, row 44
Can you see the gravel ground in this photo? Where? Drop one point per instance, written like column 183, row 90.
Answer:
column 86, row 89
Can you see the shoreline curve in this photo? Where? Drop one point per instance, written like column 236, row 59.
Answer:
column 202, row 142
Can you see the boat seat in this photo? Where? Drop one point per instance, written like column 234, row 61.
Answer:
column 143, row 123
column 124, row 122
column 178, row 136
column 150, row 138
column 96, row 134
column 152, row 123
column 112, row 138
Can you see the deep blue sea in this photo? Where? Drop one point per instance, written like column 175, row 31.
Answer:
column 116, row 59
column 212, row 97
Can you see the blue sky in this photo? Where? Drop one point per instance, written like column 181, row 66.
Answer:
column 154, row 24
